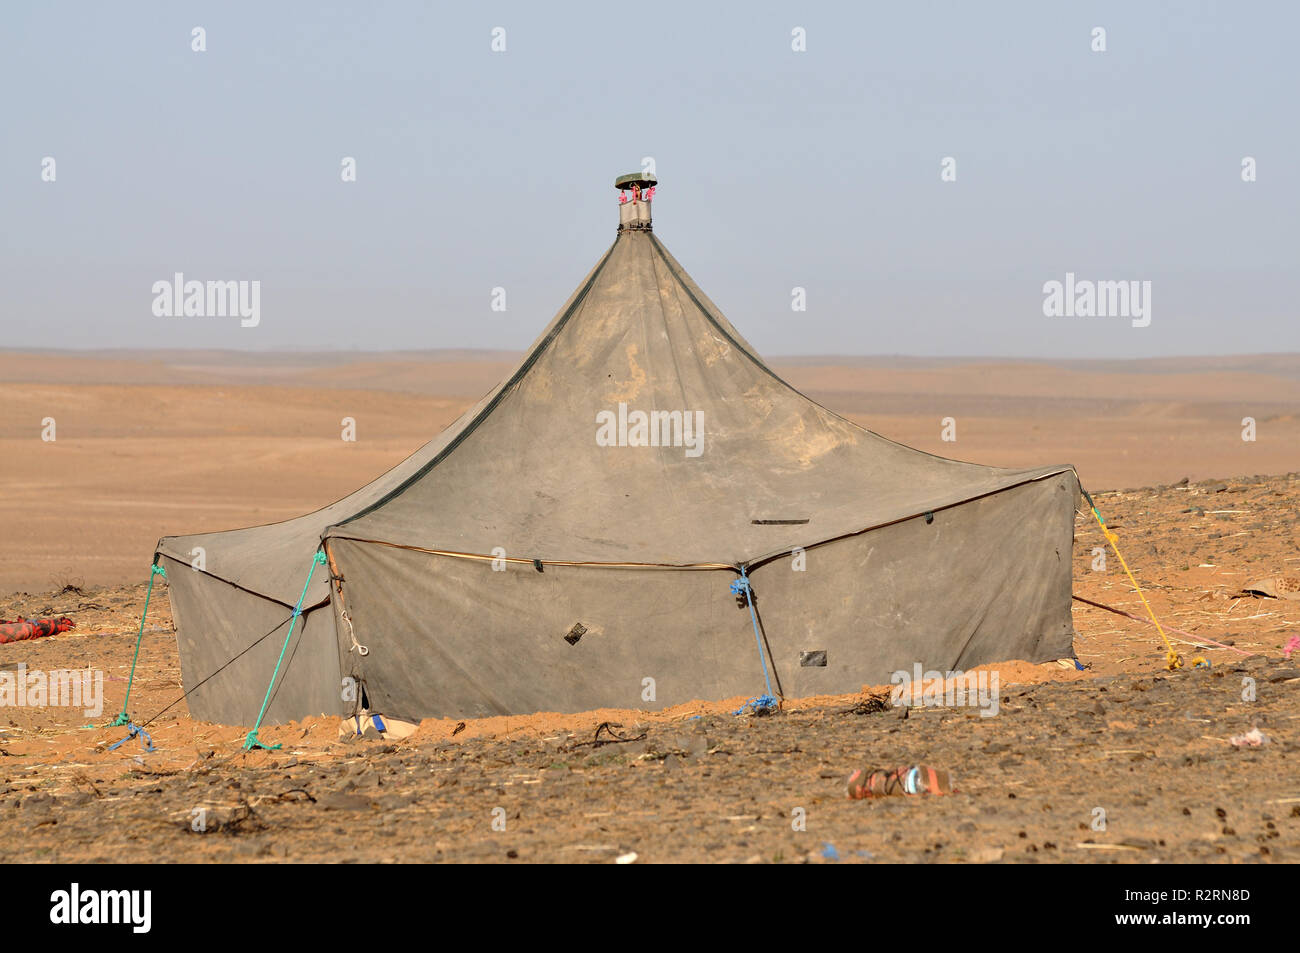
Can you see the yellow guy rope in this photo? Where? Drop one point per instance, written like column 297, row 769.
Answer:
column 1173, row 659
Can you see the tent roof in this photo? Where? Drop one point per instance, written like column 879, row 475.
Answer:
column 523, row 469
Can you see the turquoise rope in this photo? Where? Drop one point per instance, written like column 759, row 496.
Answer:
column 123, row 718
column 251, row 741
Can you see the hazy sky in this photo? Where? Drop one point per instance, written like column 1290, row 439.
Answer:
column 819, row 169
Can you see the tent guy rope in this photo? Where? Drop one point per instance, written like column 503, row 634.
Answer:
column 123, row 718
column 252, row 741
column 742, row 590
column 1173, row 661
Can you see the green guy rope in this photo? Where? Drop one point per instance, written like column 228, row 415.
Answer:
column 123, row 718
column 252, row 741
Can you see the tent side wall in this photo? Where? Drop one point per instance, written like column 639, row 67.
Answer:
column 452, row 637
column 987, row 581
column 216, row 621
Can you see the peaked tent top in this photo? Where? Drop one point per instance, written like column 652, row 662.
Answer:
column 639, row 429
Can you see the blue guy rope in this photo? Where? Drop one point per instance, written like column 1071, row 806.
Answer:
column 738, row 588
column 132, row 729
column 757, row 703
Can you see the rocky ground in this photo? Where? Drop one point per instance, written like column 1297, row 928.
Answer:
column 1121, row 762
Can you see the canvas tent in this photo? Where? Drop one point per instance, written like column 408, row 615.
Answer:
column 570, row 541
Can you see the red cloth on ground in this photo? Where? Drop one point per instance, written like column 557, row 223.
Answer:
column 22, row 630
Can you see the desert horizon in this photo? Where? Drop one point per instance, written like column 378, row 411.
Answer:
column 162, row 442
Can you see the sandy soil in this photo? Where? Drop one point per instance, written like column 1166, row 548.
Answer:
column 207, row 445
column 1147, row 747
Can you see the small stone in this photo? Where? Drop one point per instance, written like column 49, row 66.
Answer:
column 339, row 801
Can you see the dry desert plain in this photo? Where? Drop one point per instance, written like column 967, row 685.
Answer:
column 150, row 444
